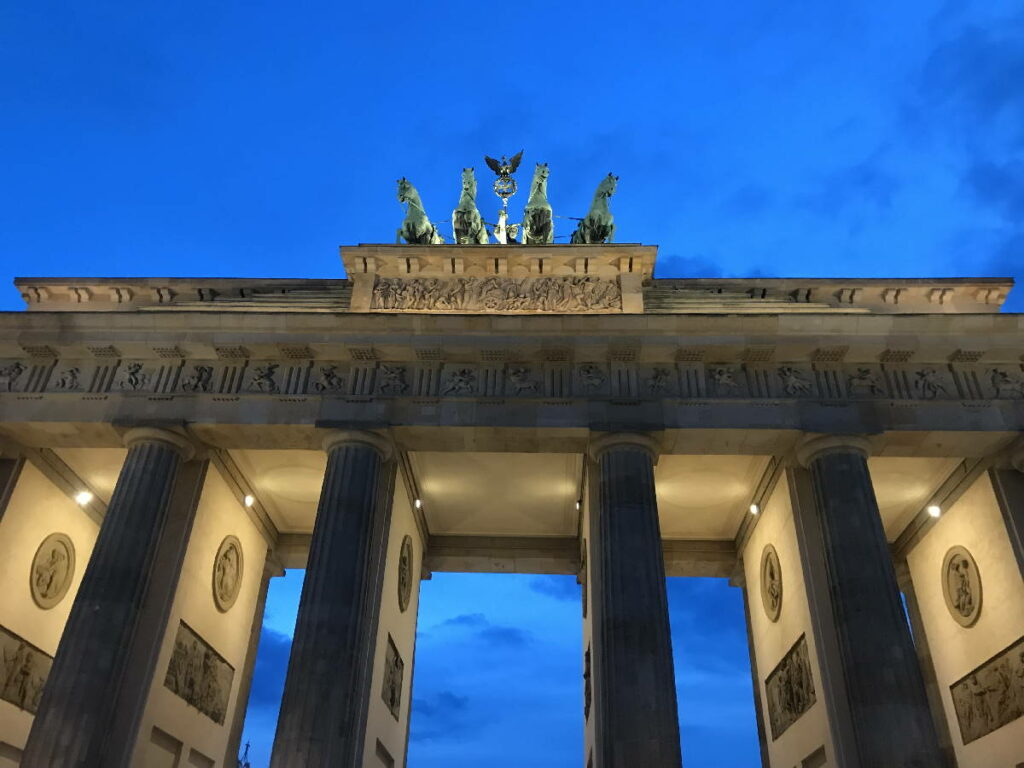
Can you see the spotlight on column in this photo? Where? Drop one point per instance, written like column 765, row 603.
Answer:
column 419, row 504
column 934, row 510
column 577, row 506
column 83, row 498
column 249, row 499
column 754, row 509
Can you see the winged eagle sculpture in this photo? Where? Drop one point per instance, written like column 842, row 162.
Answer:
column 504, row 167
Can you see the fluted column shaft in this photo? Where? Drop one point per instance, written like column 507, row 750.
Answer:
column 80, row 701
column 634, row 682
column 323, row 711
column 890, row 722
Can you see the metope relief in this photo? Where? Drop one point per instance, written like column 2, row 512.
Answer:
column 961, row 586
column 790, row 688
column 23, row 671
column 771, row 583
column 199, row 675
column 9, row 376
column 394, row 669
column 496, row 294
column 405, row 574
column 992, row 695
column 53, row 568
column 227, row 573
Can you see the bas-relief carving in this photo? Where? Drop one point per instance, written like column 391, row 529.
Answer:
column 928, row 384
column 794, row 382
column 790, row 688
column 659, row 381
column 496, row 294
column 1004, row 383
column 227, row 573
column 723, row 379
column 771, row 583
column 459, row 381
column 67, row 379
column 199, row 675
column 199, row 380
column 263, row 379
column 53, row 569
column 520, row 378
column 23, row 671
column 330, row 380
column 133, row 378
column 992, row 695
column 9, row 376
column 864, row 381
column 591, row 376
column 391, row 379
column 961, row 586
column 394, row 669
column 405, row 574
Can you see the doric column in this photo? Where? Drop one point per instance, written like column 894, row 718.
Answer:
column 323, row 711
column 1009, row 488
column 875, row 662
column 271, row 568
column 634, row 683
column 97, row 674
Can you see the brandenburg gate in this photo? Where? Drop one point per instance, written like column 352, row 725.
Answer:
column 847, row 451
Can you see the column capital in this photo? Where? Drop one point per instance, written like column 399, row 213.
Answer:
column 173, row 440
column 380, row 443
column 813, row 447
column 605, row 442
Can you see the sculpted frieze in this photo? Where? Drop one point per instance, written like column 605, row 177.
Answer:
column 789, row 688
column 570, row 293
column 9, row 375
column 394, row 672
column 199, row 675
column 992, row 695
column 23, row 671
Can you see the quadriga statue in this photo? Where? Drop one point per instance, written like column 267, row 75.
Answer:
column 417, row 229
column 466, row 221
column 599, row 225
column 538, row 226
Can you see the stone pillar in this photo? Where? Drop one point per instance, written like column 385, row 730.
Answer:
column 875, row 663
column 271, row 568
column 631, row 650
column 323, row 711
column 98, row 680
column 762, row 739
column 924, row 660
column 1008, row 485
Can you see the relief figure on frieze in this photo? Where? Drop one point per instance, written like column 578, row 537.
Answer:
column 9, row 375
column 200, row 380
column 571, row 293
column 199, row 675
column 992, row 695
column 790, row 688
column 23, row 671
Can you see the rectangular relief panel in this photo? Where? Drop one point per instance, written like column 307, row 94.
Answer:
column 23, row 671
column 992, row 695
column 790, row 688
column 199, row 675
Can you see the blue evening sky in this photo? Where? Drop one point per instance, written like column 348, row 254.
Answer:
column 758, row 137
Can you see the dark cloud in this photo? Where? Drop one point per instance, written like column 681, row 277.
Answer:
column 466, row 620
column 443, row 715
column 852, row 187
column 999, row 186
column 504, row 636
column 558, row 587
column 271, row 668
column 976, row 75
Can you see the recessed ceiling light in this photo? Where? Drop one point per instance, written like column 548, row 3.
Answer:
column 419, row 504
column 934, row 510
column 754, row 509
column 577, row 506
column 83, row 498
column 249, row 499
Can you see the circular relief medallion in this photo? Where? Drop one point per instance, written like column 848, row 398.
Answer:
column 405, row 574
column 771, row 583
column 961, row 586
column 227, row 573
column 53, row 567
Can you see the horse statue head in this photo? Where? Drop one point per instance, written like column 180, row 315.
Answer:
column 540, row 175
column 406, row 191
column 607, row 186
column 469, row 182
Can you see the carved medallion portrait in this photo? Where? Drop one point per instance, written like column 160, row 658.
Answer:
column 53, row 568
column 227, row 573
column 771, row 583
column 961, row 586
column 405, row 574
